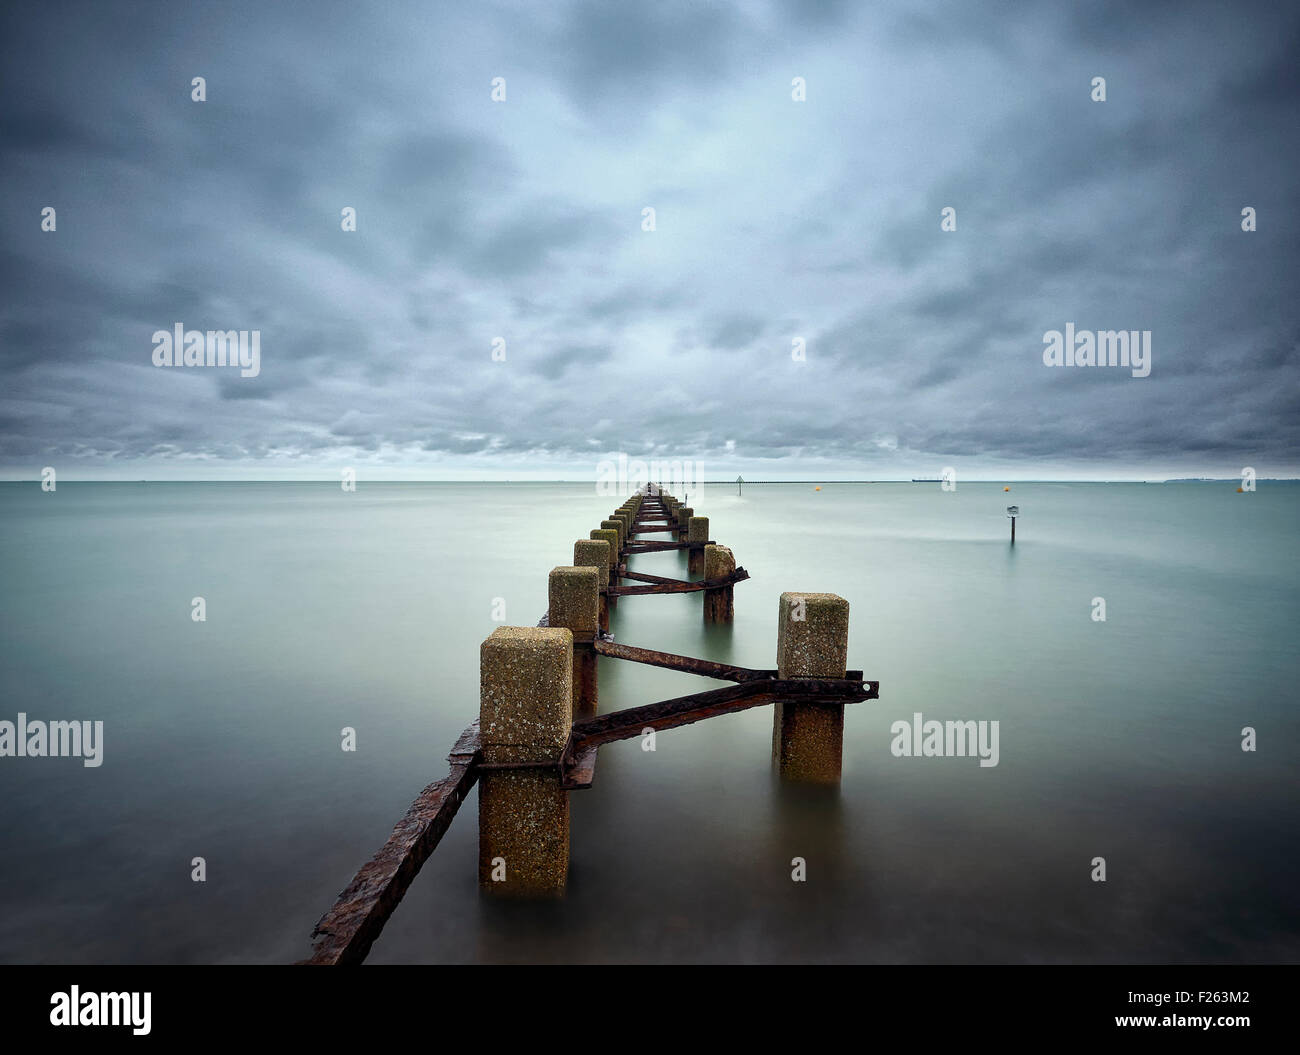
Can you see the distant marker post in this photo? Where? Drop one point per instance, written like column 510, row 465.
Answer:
column 1013, row 512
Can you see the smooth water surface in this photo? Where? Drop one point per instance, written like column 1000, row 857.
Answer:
column 1118, row 739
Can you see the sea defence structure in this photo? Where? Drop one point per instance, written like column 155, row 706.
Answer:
column 539, row 729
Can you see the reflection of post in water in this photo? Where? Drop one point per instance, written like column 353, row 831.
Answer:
column 807, row 838
column 805, row 872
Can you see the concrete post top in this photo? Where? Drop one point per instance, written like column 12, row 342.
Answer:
column 574, row 599
column 525, row 693
column 571, row 571
column 819, row 601
column 812, row 635
column 718, row 561
column 697, row 529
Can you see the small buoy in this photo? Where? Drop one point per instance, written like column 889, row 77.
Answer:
column 818, row 488
column 1006, row 489
column 1240, row 491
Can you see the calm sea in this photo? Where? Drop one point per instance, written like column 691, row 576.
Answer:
column 1118, row 739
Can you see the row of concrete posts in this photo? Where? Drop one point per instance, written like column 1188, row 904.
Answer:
column 536, row 681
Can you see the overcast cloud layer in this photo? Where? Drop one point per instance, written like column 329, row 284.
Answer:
column 775, row 220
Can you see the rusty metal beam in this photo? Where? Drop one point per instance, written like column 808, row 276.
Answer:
column 687, row 664
column 645, row 546
column 346, row 932
column 685, row 710
column 581, row 772
column 707, row 668
column 677, row 585
column 641, row 576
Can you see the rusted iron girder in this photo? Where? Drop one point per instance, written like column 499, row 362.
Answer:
column 346, row 932
column 690, row 665
column 685, row 710
column 677, row 585
column 641, row 576
column 641, row 546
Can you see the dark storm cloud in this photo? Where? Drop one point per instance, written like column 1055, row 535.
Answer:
column 518, row 225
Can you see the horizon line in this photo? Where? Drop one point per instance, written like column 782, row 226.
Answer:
column 699, row 483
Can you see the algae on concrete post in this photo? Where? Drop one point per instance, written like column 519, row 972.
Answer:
column 684, row 514
column 617, row 526
column 697, row 533
column 719, row 604
column 575, row 605
column 525, row 714
column 610, row 535
column 812, row 642
column 595, row 553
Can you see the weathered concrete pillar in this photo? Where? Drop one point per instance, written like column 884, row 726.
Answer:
column 525, row 713
column 610, row 536
column 575, row 605
column 618, row 526
column 626, row 518
column 697, row 533
column 812, row 642
column 719, row 604
column 596, row 553
column 684, row 514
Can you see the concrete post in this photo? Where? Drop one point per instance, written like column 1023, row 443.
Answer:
column 525, row 714
column 616, row 525
column 812, row 642
column 684, row 514
column 595, row 553
column 719, row 604
column 575, row 605
column 610, row 537
column 697, row 533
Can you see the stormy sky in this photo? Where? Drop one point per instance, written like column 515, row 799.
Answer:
column 775, row 220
